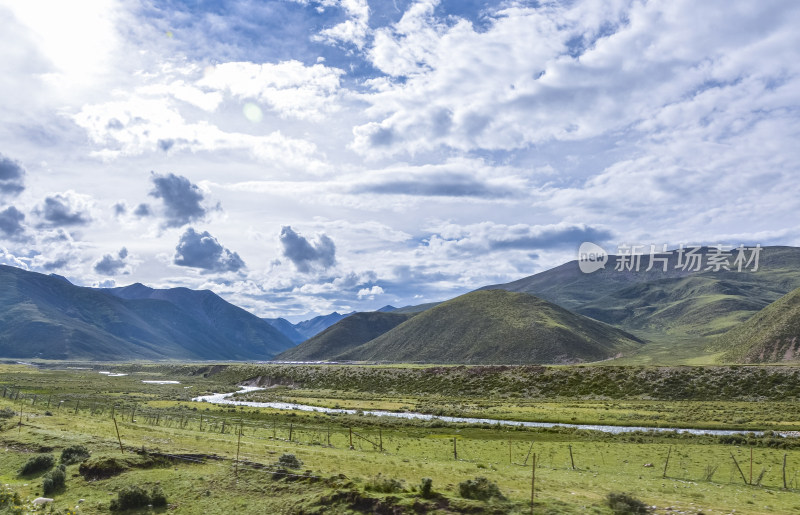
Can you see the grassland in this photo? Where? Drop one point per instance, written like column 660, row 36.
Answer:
column 189, row 449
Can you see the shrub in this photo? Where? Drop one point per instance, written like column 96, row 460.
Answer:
column 157, row 497
column 384, row 485
column 426, row 488
column 7, row 413
column 74, row 454
column 37, row 464
column 54, row 480
column 137, row 497
column 624, row 504
column 289, row 461
column 479, row 488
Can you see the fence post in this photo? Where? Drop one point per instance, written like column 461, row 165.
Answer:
column 533, row 481
column 116, row 428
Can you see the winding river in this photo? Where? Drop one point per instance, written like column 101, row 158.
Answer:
column 225, row 398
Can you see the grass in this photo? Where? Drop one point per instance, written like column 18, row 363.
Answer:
column 345, row 480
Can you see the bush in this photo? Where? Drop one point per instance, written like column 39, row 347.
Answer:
column 426, row 488
column 384, row 485
column 74, row 454
column 55, row 480
column 37, row 464
column 624, row 504
column 7, row 413
column 479, row 488
column 157, row 497
column 289, row 461
column 137, row 497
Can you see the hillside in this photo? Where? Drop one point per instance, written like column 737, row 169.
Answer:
column 496, row 327
column 771, row 335
column 48, row 317
column 676, row 302
column 344, row 335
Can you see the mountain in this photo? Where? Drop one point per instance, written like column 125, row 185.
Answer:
column 286, row 328
column 316, row 325
column 387, row 308
column 771, row 335
column 48, row 317
column 676, row 302
column 496, row 327
column 344, row 335
column 419, row 308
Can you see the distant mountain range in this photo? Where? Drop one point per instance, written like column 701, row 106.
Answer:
column 45, row 316
column 560, row 315
column 302, row 331
column 343, row 336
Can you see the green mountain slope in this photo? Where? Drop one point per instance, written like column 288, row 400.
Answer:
column 48, row 317
column 771, row 335
column 676, row 302
column 496, row 327
column 314, row 326
column 344, row 335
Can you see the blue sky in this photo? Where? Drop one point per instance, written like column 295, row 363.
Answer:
column 299, row 157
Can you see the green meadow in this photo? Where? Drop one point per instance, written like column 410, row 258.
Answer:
column 360, row 464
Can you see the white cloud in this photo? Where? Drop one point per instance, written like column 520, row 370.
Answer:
column 290, row 88
column 354, row 30
column 138, row 125
column 370, row 292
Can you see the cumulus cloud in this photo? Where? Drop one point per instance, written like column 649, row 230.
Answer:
column 12, row 176
column 141, row 124
column 305, row 254
column 291, row 88
column 370, row 292
column 64, row 209
column 182, row 199
column 111, row 264
column 353, row 30
column 567, row 71
column 203, row 251
column 11, row 220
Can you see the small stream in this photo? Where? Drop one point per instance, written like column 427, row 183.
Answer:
column 225, row 398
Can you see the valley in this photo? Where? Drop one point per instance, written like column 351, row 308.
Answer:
column 209, row 458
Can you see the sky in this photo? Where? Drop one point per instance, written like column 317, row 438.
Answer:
column 300, row 157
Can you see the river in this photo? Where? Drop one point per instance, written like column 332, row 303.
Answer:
column 225, row 398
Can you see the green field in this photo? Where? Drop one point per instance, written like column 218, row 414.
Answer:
column 189, row 449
